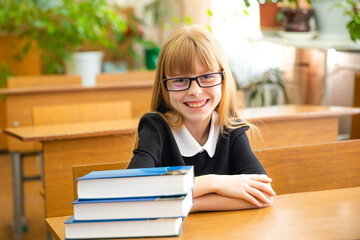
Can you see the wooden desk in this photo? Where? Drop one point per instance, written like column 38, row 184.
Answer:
column 332, row 214
column 20, row 101
column 291, row 125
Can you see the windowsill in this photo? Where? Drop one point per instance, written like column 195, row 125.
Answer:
column 320, row 42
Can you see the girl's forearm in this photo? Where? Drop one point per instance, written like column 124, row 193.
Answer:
column 204, row 185
column 214, row 202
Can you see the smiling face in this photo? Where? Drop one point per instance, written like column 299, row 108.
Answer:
column 196, row 104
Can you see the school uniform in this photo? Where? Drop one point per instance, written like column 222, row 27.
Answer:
column 226, row 154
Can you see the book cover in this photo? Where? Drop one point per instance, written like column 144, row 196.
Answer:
column 133, row 208
column 138, row 172
column 159, row 227
column 142, row 182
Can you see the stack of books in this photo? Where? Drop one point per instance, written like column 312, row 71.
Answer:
column 144, row 202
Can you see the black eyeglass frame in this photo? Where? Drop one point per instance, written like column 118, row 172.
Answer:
column 194, row 79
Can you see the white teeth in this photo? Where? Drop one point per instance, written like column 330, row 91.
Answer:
column 196, row 105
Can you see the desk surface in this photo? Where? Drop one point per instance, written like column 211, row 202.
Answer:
column 332, row 214
column 295, row 112
column 94, row 129
column 74, row 130
column 75, row 88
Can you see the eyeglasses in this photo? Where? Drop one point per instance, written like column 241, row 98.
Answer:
column 205, row 81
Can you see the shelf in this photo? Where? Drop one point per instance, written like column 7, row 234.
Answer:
column 321, row 43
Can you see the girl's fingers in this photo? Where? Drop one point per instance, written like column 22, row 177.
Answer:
column 263, row 187
column 252, row 200
column 259, row 195
column 260, row 177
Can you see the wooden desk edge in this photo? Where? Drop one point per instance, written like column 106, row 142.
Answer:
column 48, row 223
column 75, row 88
column 346, row 111
column 56, row 137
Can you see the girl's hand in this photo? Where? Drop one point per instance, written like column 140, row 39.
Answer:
column 254, row 188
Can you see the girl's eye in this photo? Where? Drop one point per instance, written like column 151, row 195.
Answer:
column 207, row 78
column 179, row 81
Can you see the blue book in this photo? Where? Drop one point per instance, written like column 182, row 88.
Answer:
column 141, row 182
column 133, row 208
column 160, row 227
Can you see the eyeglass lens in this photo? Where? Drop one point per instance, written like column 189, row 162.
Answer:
column 208, row 80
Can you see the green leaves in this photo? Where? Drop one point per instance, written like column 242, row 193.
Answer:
column 256, row 88
column 60, row 26
column 350, row 8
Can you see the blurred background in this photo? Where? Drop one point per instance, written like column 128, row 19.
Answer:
column 288, row 51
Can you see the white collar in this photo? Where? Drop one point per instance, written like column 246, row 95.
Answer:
column 189, row 147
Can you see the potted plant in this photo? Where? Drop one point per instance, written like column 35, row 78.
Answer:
column 60, row 27
column 270, row 15
column 266, row 89
column 296, row 17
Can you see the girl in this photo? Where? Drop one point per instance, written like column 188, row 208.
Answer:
column 195, row 122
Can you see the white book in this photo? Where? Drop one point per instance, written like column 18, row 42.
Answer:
column 141, row 182
column 122, row 228
column 130, row 208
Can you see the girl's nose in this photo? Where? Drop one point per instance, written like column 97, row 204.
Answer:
column 194, row 89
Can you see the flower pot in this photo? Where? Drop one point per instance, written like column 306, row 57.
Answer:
column 297, row 20
column 151, row 57
column 330, row 20
column 85, row 64
column 268, row 15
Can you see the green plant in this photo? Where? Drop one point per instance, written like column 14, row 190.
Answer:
column 60, row 27
column 160, row 13
column 257, row 86
column 351, row 8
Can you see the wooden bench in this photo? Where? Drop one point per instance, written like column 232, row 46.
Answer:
column 125, row 76
column 293, row 169
column 312, row 167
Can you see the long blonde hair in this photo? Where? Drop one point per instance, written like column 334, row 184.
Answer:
column 177, row 57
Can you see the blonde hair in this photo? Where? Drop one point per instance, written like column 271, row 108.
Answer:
column 177, row 57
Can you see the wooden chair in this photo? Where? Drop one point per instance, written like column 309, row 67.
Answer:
column 125, row 76
column 81, row 170
column 312, row 167
column 43, row 80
